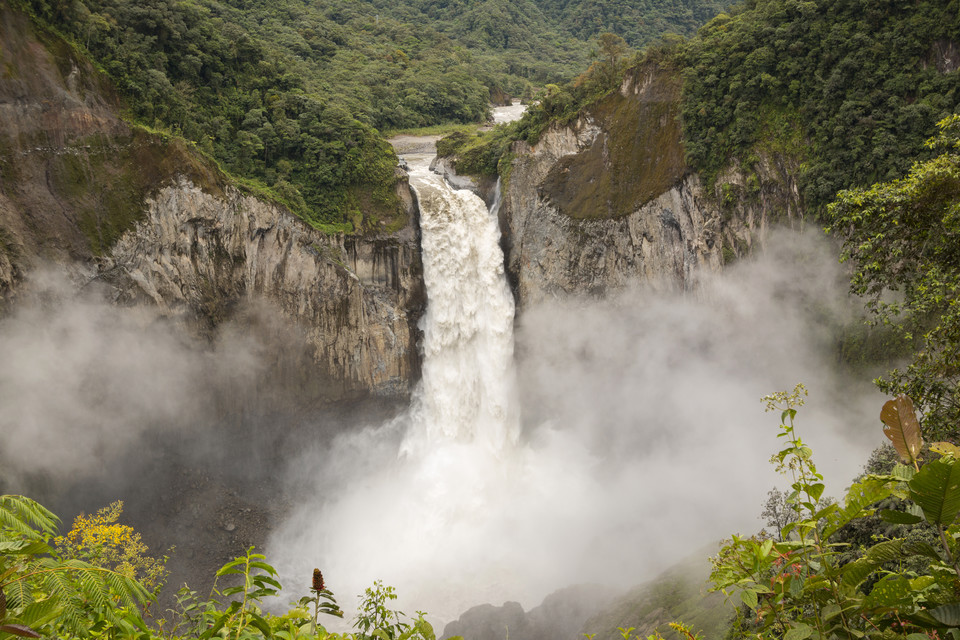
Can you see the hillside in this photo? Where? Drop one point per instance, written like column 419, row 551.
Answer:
column 292, row 94
column 850, row 93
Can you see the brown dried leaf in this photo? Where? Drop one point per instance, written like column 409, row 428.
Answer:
column 902, row 427
column 21, row 630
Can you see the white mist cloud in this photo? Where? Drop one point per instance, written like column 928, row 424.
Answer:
column 81, row 379
column 644, row 438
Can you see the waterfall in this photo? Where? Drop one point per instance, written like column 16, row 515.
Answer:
column 466, row 394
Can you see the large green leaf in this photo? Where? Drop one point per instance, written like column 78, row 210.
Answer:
column 898, row 517
column 798, row 631
column 936, row 488
column 856, row 572
column 902, row 427
column 948, row 614
column 891, row 592
column 886, row 551
column 920, row 548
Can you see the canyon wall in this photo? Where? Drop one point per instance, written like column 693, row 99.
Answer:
column 608, row 199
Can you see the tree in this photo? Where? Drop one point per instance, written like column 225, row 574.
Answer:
column 102, row 541
column 777, row 511
column 613, row 48
column 903, row 238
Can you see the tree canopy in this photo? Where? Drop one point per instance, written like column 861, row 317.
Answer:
column 903, row 238
column 294, row 94
column 862, row 81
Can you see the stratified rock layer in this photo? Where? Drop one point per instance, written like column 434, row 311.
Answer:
column 358, row 298
column 155, row 221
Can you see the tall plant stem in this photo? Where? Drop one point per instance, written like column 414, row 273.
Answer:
column 946, row 547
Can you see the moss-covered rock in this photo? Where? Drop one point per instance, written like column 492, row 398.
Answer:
column 637, row 156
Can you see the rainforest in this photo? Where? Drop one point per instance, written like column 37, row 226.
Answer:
column 479, row 319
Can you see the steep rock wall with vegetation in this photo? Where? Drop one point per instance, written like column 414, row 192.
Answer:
column 149, row 216
column 358, row 299
column 608, row 199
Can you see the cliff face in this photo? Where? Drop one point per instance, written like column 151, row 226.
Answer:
column 154, row 221
column 608, row 200
column 358, row 299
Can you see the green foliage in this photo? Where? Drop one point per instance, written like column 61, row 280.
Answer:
column 639, row 22
column 322, row 600
column 290, row 95
column 376, row 621
column 102, row 541
column 901, row 237
column 807, row 585
column 479, row 153
column 44, row 594
column 854, row 87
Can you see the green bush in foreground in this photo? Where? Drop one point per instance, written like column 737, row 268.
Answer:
column 805, row 584
column 46, row 594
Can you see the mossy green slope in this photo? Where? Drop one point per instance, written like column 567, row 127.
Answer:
column 637, row 157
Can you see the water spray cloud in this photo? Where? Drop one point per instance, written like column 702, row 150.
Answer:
column 643, row 438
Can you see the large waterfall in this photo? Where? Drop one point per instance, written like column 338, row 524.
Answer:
column 466, row 394
column 643, row 438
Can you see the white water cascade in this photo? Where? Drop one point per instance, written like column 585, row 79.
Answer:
column 420, row 499
column 643, row 438
column 468, row 384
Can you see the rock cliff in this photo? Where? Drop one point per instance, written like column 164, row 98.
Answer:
column 358, row 298
column 608, row 200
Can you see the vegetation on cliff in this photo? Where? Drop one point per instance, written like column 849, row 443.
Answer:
column 481, row 153
column 848, row 91
column 292, row 95
column 901, row 237
column 863, row 83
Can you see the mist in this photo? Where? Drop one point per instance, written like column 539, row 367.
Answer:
column 189, row 425
column 81, row 380
column 643, row 439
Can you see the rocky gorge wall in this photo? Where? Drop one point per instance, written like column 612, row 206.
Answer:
column 608, row 200
column 358, row 299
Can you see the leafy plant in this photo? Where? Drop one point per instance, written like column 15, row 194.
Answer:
column 322, row 600
column 44, row 594
column 100, row 540
column 376, row 621
column 900, row 237
column 258, row 582
column 799, row 586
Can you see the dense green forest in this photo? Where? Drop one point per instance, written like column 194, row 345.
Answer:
column 851, row 89
column 863, row 83
column 637, row 22
column 294, row 94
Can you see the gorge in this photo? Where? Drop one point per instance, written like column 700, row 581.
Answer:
column 546, row 377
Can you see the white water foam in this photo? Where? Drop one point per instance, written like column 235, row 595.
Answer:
column 468, row 379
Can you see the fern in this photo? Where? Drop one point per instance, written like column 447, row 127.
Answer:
column 24, row 516
column 47, row 594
